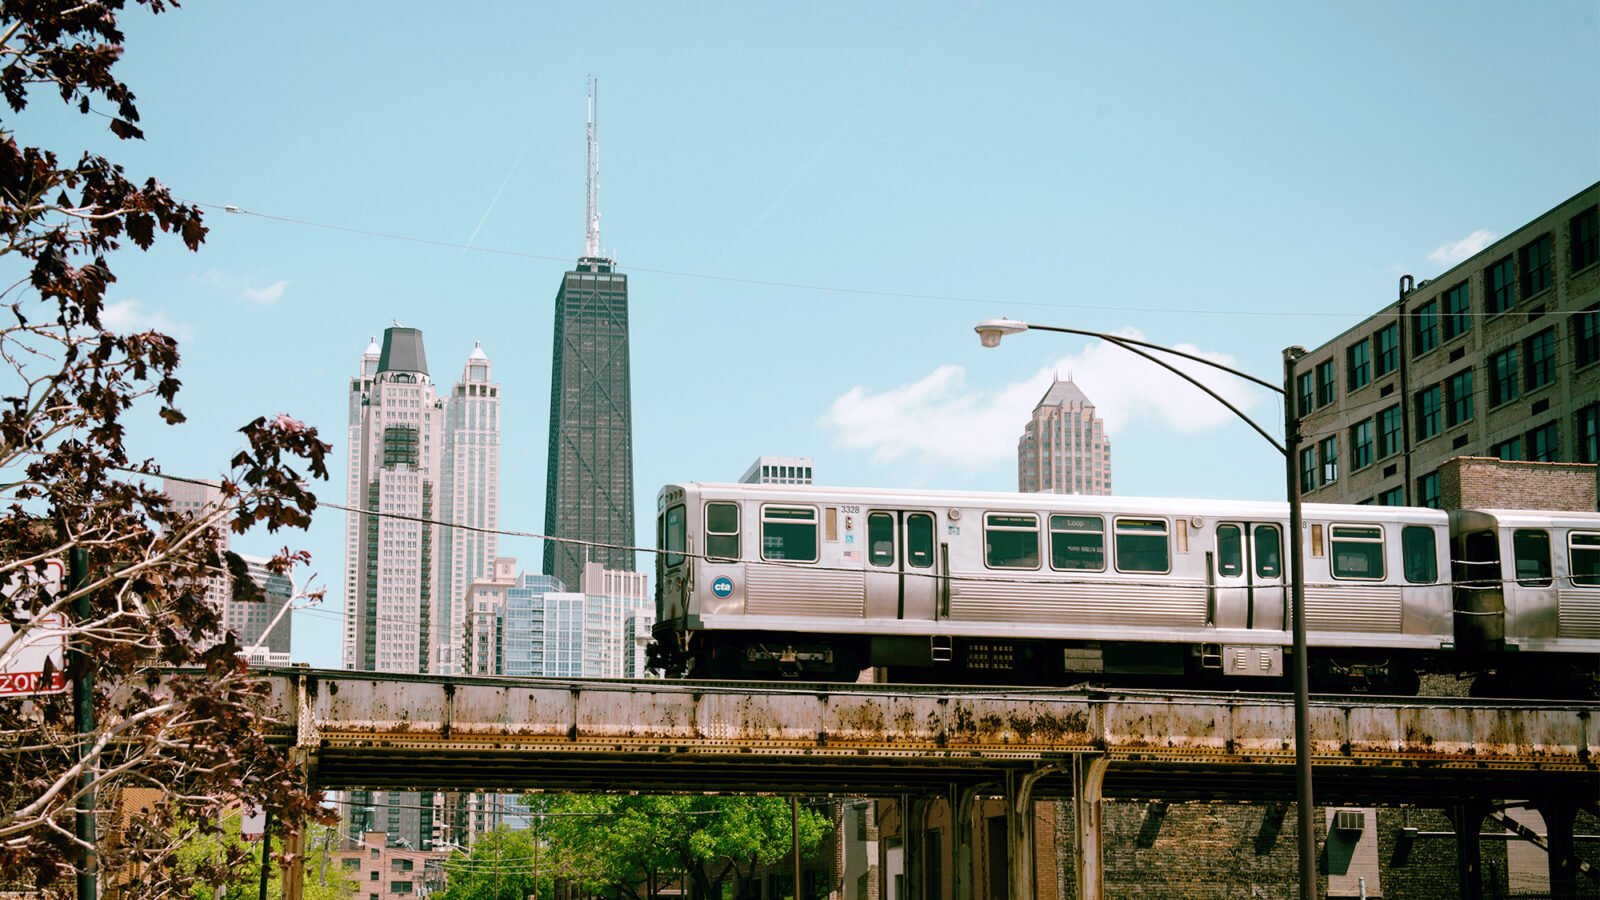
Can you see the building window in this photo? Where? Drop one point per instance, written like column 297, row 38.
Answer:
column 1509, row 450
column 1426, row 335
column 1325, row 382
column 1011, row 541
column 1395, row 496
column 1328, row 450
column 1307, row 399
column 1503, row 380
column 1308, row 469
column 1428, row 490
column 1429, row 403
column 1389, row 431
column 1501, row 279
column 1544, row 443
column 1585, row 233
column 1388, row 343
column 1361, row 445
column 1535, row 260
column 1358, row 364
column 1457, row 311
column 1586, row 336
column 1588, row 421
column 1541, row 354
column 1460, row 385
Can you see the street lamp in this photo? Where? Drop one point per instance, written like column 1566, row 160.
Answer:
column 991, row 331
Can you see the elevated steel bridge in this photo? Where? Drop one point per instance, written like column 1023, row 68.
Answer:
column 364, row 730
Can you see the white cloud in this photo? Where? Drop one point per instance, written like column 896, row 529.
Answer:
column 244, row 288
column 128, row 317
column 940, row 420
column 1450, row 254
column 269, row 294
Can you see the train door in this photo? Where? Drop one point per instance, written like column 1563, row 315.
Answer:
column 901, row 564
column 1247, row 576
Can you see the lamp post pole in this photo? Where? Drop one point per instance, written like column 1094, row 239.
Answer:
column 992, row 330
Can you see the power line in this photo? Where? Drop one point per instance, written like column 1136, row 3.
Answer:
column 789, row 285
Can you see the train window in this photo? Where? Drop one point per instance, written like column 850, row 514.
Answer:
column 1269, row 552
column 1011, row 541
column 789, row 533
column 919, row 540
column 722, row 530
column 880, row 539
column 1357, row 551
column 1477, row 566
column 1230, row 551
column 1420, row 553
column 1142, row 545
column 673, row 532
column 1531, row 547
column 1583, row 557
column 1078, row 542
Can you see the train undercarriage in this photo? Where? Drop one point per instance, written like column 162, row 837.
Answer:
column 1006, row 661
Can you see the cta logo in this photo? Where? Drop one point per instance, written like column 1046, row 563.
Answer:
column 722, row 587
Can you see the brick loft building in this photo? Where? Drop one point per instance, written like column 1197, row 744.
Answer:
column 1497, row 357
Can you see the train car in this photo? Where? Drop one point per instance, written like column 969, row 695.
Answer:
column 1528, row 595
column 816, row 582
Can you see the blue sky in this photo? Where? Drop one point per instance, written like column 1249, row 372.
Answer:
column 1233, row 178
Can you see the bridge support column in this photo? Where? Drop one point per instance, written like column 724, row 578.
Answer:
column 1559, row 815
column 1468, row 816
column 1019, row 829
column 962, row 877
column 294, row 866
column 1088, row 774
column 913, row 815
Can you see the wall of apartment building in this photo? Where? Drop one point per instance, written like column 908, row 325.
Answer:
column 1472, row 482
column 1534, row 390
column 382, row 872
column 1212, row 851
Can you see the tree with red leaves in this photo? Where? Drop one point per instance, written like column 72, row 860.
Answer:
column 71, row 488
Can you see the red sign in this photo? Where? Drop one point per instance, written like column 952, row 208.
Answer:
column 42, row 646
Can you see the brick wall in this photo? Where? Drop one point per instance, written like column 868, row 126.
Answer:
column 1212, row 851
column 1474, row 482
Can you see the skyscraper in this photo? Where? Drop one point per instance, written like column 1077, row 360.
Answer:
column 471, row 496
column 1064, row 448
column 589, row 485
column 390, row 578
column 421, row 460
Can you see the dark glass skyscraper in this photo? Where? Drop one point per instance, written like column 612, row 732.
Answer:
column 589, row 488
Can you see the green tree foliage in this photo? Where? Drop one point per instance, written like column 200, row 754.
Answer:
column 71, row 485
column 629, row 846
column 503, row 865
column 202, row 848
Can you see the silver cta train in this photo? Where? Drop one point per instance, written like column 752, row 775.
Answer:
column 775, row 581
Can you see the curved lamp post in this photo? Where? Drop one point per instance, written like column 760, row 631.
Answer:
column 992, row 330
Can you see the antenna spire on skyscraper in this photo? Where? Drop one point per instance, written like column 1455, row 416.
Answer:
column 591, row 218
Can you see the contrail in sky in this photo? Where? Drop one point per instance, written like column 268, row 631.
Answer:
column 538, row 123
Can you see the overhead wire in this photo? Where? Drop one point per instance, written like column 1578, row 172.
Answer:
column 764, row 282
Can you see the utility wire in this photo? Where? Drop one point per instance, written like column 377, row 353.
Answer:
column 790, row 285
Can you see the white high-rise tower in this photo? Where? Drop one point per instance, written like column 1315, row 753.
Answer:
column 471, row 485
column 391, row 578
